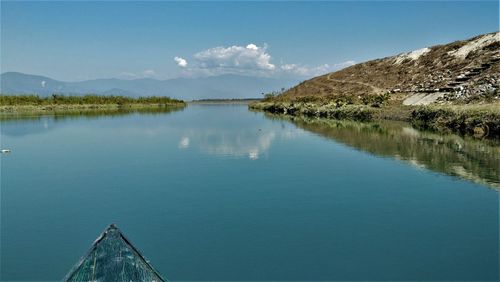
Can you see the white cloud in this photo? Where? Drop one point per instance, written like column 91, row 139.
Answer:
column 252, row 46
column 289, row 67
column 181, row 62
column 149, row 73
column 302, row 70
column 250, row 60
column 251, row 57
column 345, row 64
column 142, row 74
column 127, row 75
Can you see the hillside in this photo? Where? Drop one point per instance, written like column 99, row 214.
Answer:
column 457, row 83
column 467, row 70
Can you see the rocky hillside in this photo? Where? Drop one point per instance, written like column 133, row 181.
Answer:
column 467, row 70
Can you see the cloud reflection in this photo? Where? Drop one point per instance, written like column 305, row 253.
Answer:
column 184, row 143
column 251, row 143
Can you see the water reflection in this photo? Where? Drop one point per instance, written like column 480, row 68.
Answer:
column 475, row 160
column 227, row 131
column 87, row 113
column 205, row 129
column 19, row 124
column 248, row 143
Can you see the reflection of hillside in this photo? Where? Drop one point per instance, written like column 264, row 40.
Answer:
column 475, row 160
column 24, row 124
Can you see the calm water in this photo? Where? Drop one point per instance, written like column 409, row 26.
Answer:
column 221, row 193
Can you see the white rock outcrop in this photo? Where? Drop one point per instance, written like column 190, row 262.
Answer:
column 474, row 45
column 413, row 55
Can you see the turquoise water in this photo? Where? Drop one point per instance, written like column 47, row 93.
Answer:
column 221, row 193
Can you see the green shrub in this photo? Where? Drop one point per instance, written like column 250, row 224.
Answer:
column 463, row 120
column 375, row 100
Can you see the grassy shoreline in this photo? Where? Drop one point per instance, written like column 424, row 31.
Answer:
column 333, row 111
column 31, row 104
column 476, row 120
column 480, row 121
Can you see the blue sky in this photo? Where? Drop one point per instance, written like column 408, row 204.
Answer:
column 85, row 40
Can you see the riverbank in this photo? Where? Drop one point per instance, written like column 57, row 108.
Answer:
column 476, row 120
column 32, row 104
column 86, row 112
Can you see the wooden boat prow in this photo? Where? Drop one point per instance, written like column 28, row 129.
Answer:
column 113, row 258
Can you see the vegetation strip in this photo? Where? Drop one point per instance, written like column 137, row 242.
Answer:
column 477, row 120
column 34, row 103
column 350, row 112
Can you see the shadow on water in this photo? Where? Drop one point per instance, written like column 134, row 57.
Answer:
column 467, row 158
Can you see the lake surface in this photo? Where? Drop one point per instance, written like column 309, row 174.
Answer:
column 216, row 192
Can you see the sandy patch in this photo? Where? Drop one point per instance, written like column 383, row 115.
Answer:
column 477, row 44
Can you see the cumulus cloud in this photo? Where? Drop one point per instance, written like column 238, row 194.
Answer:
column 251, row 60
column 181, row 62
column 252, row 46
column 250, row 57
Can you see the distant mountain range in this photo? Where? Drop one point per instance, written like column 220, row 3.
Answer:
column 223, row 87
